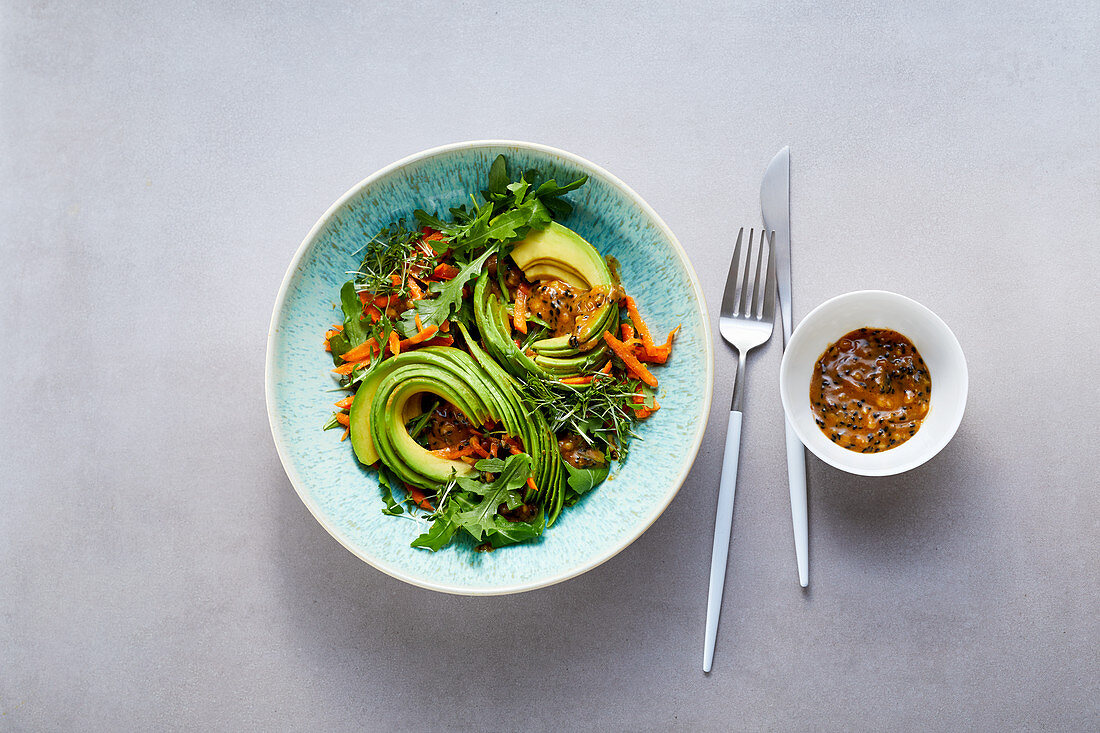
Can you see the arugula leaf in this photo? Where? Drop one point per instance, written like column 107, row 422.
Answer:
column 498, row 176
column 438, row 535
column 490, row 465
column 448, row 297
column 386, row 481
column 509, row 533
column 355, row 331
column 583, row 480
column 480, row 518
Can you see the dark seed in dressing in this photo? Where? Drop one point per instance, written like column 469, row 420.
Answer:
column 870, row 390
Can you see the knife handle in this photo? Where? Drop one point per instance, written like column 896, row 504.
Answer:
column 723, row 525
column 796, row 479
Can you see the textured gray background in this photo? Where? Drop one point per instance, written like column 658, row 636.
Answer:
column 160, row 166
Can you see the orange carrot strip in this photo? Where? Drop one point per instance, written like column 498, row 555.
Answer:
column 445, row 272
column 328, row 346
column 439, row 341
column 419, row 497
column 606, row 368
column 365, row 297
column 576, row 380
column 639, row 324
column 419, row 325
column 383, row 301
column 395, row 280
column 660, row 356
column 373, row 312
column 343, row 419
column 362, row 352
column 445, row 327
column 634, row 366
column 531, row 485
column 423, row 335
column 477, row 447
column 415, row 293
column 347, row 367
column 346, row 402
column 347, row 431
column 627, row 331
column 519, row 319
column 395, row 343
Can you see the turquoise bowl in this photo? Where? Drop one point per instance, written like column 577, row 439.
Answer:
column 345, row 497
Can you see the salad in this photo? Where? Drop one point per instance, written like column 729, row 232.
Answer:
column 495, row 363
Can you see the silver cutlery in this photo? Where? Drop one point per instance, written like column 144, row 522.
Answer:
column 747, row 319
column 775, row 205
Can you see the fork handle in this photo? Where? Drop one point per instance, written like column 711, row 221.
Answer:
column 723, row 523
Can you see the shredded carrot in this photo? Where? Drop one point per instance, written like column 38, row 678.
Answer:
column 576, row 380
column 431, row 234
column 362, row 352
column 347, row 367
column 445, row 327
column 365, row 297
column 395, row 343
column 374, row 313
column 445, row 271
column 531, row 485
column 328, row 346
column 415, row 293
column 419, row 325
column 493, row 449
column 346, row 402
column 606, row 368
column 344, row 437
column 627, row 331
column 383, row 301
column 419, row 497
column 338, row 327
column 640, row 325
column 477, row 447
column 343, row 419
column 634, row 366
column 439, row 341
column 519, row 318
column 513, row 447
column 395, row 279
column 419, row 337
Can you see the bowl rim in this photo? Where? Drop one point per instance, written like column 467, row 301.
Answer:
column 954, row 346
column 277, row 433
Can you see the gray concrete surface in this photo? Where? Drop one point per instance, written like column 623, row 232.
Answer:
column 161, row 162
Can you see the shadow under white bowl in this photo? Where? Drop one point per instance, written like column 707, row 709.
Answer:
column 937, row 345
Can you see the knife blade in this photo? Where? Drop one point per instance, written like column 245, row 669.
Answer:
column 775, row 206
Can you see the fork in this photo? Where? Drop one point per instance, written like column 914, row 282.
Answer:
column 747, row 316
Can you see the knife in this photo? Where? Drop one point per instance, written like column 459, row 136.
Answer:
column 775, row 205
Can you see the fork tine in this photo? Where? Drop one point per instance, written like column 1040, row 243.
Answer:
column 769, row 286
column 729, row 302
column 745, row 301
column 762, row 251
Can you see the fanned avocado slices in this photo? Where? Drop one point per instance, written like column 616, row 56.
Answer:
column 553, row 253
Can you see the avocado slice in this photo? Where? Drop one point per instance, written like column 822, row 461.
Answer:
column 558, row 250
column 553, row 253
column 390, row 396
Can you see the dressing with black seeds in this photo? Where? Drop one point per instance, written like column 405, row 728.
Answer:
column 870, row 390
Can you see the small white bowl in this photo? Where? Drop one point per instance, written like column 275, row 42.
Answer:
column 831, row 320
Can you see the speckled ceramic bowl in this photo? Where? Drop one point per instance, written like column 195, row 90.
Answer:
column 345, row 497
